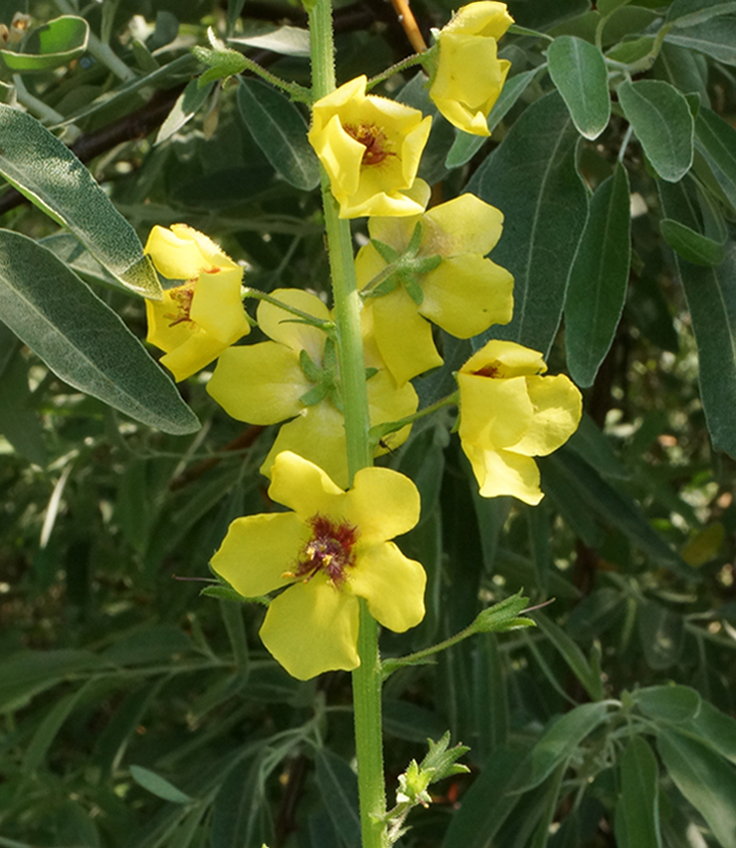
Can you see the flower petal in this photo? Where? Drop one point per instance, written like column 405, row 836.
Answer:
column 382, row 503
column 258, row 549
column 313, row 627
column 387, row 402
column 487, row 18
column 215, row 258
column 174, row 257
column 504, row 473
column 494, row 414
column 466, row 294
column 285, row 327
column 260, row 383
column 403, row 337
column 217, row 307
column 465, row 224
column 317, row 434
column 302, row 486
column 164, row 329
column 505, row 359
column 558, row 406
column 392, row 584
column 197, row 351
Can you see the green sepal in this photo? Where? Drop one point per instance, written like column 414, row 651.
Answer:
column 227, row 593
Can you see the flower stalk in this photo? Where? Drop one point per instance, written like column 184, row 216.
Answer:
column 367, row 677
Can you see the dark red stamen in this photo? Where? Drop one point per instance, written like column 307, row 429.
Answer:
column 330, row 549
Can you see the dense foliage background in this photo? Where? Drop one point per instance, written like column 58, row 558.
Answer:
column 138, row 713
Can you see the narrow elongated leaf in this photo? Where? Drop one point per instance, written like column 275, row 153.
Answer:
column 339, row 787
column 280, row 131
column 50, row 45
column 715, row 37
column 158, row 785
column 598, row 280
column 705, row 779
column 236, row 812
column 44, row 170
column 685, row 13
column 572, row 655
column 578, row 70
column 558, row 743
column 287, row 40
column 663, row 123
column 46, row 732
column 532, row 176
column 690, row 245
column 466, row 145
column 637, row 812
column 487, row 804
column 613, row 508
column 189, row 102
column 81, row 339
column 711, row 298
column 715, row 728
column 715, row 139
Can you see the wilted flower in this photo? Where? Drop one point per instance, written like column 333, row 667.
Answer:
column 440, row 274
column 370, row 147
column 331, row 550
column 509, row 413
column 199, row 319
column 469, row 74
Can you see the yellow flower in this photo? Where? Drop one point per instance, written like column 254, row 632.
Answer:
column 469, row 74
column 509, row 413
column 441, row 276
column 294, row 377
column 370, row 147
column 331, row 550
column 195, row 321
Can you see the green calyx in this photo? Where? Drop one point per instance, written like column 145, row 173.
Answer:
column 405, row 269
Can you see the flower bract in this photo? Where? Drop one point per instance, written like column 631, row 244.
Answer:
column 267, row 383
column 469, row 75
column 509, row 413
column 370, row 147
column 443, row 278
column 331, row 550
column 200, row 318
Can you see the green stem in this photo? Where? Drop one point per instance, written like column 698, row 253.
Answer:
column 380, row 430
column 404, row 64
column 367, row 677
column 256, row 294
column 294, row 90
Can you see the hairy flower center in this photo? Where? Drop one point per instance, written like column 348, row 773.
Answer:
column 374, row 141
column 182, row 301
column 330, row 549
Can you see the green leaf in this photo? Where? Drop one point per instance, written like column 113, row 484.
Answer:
column 711, row 298
column 81, row 339
column 286, row 40
column 690, row 245
column 49, row 46
column 466, row 145
column 663, row 123
column 339, row 787
column 46, row 731
column 236, row 814
column 705, row 779
column 598, row 280
column 613, row 508
column 280, row 131
column 487, row 804
column 715, row 37
column 578, row 70
column 715, row 728
column 51, row 177
column 572, row 655
column 715, row 139
column 685, row 13
column 558, row 743
column 189, row 102
column 533, row 178
column 662, row 634
column 158, row 786
column 668, row 703
column 637, row 811
column 20, row 424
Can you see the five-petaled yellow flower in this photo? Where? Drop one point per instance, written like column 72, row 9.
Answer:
column 199, row 319
column 331, row 550
column 469, row 74
column 460, row 290
column 509, row 413
column 267, row 382
column 370, row 147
